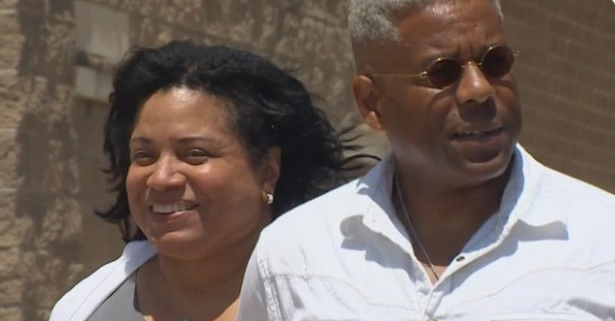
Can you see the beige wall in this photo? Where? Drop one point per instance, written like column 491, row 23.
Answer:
column 51, row 135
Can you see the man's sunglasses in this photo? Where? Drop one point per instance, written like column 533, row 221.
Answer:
column 494, row 63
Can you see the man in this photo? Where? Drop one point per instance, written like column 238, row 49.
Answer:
column 458, row 222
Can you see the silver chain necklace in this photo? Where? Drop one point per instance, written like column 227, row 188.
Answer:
column 430, row 264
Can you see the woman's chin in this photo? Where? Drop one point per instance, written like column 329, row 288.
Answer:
column 173, row 238
column 181, row 245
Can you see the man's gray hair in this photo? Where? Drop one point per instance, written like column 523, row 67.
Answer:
column 372, row 19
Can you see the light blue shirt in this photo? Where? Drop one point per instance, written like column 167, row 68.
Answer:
column 547, row 254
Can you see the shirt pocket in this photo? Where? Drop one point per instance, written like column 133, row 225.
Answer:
column 542, row 317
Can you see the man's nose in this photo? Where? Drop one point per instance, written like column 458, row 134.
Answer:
column 473, row 87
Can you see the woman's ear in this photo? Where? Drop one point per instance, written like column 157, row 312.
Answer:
column 367, row 100
column 271, row 164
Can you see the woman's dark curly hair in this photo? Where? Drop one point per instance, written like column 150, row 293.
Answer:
column 268, row 107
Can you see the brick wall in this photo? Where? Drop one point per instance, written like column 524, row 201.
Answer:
column 566, row 73
column 51, row 133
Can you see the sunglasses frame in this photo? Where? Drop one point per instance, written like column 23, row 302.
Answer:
column 425, row 74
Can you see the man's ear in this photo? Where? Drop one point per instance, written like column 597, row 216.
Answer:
column 367, row 99
column 271, row 164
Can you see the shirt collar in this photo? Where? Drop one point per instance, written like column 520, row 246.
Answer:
column 374, row 204
column 518, row 200
column 524, row 190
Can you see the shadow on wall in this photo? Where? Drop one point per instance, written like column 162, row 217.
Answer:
column 46, row 198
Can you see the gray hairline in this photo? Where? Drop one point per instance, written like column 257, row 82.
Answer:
column 371, row 19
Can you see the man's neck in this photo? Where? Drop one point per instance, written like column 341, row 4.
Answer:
column 445, row 220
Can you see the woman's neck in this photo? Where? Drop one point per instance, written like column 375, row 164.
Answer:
column 170, row 289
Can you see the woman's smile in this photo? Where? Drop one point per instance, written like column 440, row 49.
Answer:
column 172, row 208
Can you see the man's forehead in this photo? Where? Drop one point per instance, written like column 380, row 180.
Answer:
column 437, row 29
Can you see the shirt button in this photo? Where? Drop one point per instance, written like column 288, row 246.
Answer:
column 460, row 258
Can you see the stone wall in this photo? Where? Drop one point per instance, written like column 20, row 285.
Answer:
column 39, row 187
column 50, row 132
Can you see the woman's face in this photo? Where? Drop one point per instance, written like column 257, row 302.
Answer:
column 192, row 188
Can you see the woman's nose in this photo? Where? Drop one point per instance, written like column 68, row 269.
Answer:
column 165, row 174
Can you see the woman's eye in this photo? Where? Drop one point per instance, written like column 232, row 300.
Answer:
column 196, row 156
column 143, row 158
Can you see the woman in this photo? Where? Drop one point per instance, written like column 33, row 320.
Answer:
column 207, row 145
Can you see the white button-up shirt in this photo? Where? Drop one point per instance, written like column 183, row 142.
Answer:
column 547, row 254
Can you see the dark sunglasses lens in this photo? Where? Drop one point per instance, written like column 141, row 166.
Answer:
column 444, row 72
column 498, row 61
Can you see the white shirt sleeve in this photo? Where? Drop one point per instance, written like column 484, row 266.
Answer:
column 255, row 302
